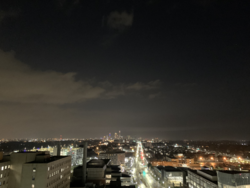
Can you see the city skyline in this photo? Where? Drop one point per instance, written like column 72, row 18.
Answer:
column 154, row 68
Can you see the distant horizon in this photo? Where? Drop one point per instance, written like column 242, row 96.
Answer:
column 168, row 140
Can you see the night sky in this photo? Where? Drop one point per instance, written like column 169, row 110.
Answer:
column 152, row 68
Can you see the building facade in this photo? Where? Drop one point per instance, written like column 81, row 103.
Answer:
column 4, row 173
column 229, row 179
column 116, row 157
column 47, row 172
column 202, row 179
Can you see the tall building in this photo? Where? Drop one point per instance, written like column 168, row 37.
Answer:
column 119, row 134
column 46, row 171
column 116, row 136
column 109, row 136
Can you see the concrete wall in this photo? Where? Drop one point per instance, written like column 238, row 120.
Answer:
column 95, row 173
column 121, row 158
column 35, row 174
column 197, row 181
column 4, row 174
column 17, row 161
column 47, row 175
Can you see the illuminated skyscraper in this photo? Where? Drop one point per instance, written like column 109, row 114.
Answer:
column 119, row 134
column 116, row 136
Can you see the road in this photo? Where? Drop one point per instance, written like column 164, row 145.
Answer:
column 140, row 171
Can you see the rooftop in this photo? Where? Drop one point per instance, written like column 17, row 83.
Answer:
column 233, row 172
column 209, row 172
column 97, row 163
column 168, row 168
column 49, row 160
column 195, row 172
column 113, row 152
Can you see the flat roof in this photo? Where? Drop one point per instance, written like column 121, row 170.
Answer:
column 97, row 163
column 49, row 160
column 168, row 168
column 233, row 172
column 112, row 152
column 195, row 172
column 209, row 172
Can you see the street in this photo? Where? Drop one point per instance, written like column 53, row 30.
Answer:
column 140, row 171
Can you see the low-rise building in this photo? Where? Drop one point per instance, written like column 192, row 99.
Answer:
column 202, row 179
column 238, row 179
column 170, row 176
column 117, row 157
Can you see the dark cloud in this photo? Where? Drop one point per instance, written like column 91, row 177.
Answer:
column 120, row 21
column 142, row 86
column 4, row 14
column 22, row 84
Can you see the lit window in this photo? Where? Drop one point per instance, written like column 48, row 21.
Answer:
column 6, row 167
column 2, row 168
column 48, row 168
column 34, row 169
column 33, row 186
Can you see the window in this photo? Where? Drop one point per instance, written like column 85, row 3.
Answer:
column 33, row 186
column 34, row 169
column 6, row 167
column 1, row 175
column 2, row 168
column 48, row 168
